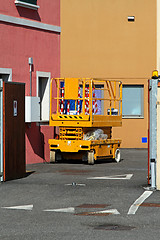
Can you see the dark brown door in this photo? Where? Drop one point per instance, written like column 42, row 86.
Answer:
column 14, row 130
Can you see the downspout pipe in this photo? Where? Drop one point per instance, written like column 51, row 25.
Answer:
column 30, row 61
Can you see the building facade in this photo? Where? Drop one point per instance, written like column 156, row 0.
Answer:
column 114, row 39
column 30, row 29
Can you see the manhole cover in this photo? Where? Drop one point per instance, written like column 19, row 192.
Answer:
column 93, row 206
column 113, row 227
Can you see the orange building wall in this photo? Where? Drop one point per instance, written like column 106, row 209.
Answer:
column 98, row 41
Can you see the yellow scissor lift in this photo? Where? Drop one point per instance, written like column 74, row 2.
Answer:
column 75, row 123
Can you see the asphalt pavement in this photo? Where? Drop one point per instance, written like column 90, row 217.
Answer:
column 73, row 201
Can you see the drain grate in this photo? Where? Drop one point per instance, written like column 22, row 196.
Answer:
column 150, row 205
column 93, row 206
column 109, row 227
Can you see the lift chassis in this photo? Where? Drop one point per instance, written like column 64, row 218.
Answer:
column 84, row 105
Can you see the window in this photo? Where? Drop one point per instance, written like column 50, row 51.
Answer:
column 99, row 94
column 43, row 91
column 32, row 4
column 131, row 18
column 6, row 74
column 30, row 1
column 132, row 101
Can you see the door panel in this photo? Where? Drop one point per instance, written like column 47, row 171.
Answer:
column 14, row 130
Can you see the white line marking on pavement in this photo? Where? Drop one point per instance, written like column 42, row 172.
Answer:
column 112, row 211
column 134, row 207
column 66, row 210
column 23, row 207
column 116, row 177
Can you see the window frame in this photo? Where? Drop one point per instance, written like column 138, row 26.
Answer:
column 6, row 71
column 22, row 3
column 135, row 116
column 40, row 74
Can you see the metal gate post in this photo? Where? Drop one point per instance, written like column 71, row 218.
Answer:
column 153, row 129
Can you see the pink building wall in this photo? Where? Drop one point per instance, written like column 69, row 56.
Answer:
column 49, row 11
column 17, row 44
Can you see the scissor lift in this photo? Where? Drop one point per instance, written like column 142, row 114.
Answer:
column 81, row 105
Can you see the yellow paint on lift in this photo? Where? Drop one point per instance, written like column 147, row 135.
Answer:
column 71, row 84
